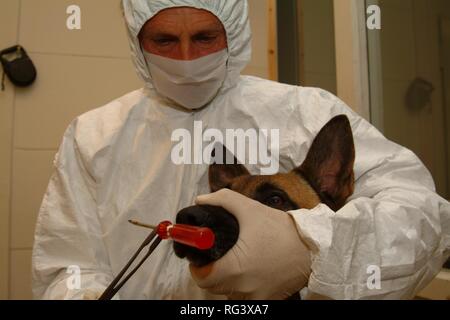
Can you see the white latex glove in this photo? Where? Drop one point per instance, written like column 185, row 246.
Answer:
column 269, row 260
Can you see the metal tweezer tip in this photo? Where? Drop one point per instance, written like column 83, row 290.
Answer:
column 140, row 224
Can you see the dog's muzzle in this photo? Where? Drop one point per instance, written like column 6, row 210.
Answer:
column 221, row 222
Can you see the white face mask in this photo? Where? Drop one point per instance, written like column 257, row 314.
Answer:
column 193, row 83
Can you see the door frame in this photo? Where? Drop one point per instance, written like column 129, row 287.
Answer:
column 444, row 30
column 352, row 69
column 375, row 74
column 288, row 42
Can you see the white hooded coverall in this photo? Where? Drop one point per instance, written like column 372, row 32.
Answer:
column 114, row 164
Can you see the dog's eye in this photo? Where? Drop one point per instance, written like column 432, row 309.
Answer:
column 275, row 201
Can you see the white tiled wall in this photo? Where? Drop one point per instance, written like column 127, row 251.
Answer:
column 67, row 86
column 102, row 33
column 78, row 71
column 20, row 275
column 31, row 171
column 9, row 15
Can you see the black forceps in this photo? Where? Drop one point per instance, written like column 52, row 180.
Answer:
column 115, row 285
column 197, row 237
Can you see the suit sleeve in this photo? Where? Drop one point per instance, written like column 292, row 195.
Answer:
column 69, row 259
column 393, row 235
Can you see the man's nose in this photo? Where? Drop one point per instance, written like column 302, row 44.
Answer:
column 187, row 51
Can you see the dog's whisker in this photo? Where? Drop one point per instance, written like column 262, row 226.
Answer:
column 243, row 243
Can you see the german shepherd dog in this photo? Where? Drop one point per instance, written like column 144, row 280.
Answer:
column 325, row 176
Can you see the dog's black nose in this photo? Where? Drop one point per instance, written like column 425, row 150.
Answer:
column 194, row 216
column 221, row 222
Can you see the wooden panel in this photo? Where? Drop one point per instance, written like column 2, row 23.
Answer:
column 272, row 44
column 445, row 56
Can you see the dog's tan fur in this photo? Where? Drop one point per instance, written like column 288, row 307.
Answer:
column 325, row 176
column 298, row 190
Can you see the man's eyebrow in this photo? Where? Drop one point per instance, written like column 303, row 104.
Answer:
column 212, row 27
column 161, row 34
column 208, row 31
column 168, row 34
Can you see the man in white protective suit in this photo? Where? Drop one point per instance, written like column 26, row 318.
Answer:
column 115, row 163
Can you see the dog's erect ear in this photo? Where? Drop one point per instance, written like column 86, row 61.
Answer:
column 328, row 167
column 221, row 173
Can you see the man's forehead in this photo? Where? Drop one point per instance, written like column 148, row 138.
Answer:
column 193, row 18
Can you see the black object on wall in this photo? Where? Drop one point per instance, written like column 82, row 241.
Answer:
column 18, row 66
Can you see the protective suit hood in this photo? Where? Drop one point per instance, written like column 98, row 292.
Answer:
column 232, row 13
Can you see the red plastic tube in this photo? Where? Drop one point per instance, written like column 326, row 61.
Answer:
column 197, row 237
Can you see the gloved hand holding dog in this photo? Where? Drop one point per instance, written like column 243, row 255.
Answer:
column 269, row 260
